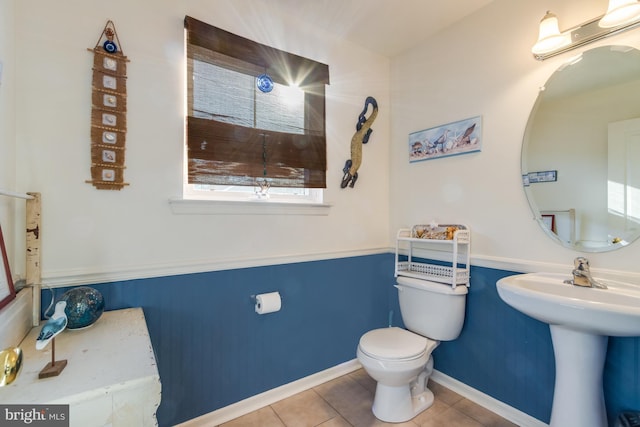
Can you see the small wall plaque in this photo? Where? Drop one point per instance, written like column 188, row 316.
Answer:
column 537, row 177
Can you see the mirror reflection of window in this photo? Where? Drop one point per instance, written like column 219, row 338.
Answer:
column 624, row 178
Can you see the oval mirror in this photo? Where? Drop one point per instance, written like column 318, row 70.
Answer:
column 581, row 151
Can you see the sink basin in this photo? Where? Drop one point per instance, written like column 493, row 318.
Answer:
column 581, row 320
column 613, row 312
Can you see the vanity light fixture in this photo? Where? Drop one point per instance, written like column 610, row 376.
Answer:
column 622, row 15
column 550, row 38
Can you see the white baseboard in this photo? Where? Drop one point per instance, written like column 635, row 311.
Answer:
column 261, row 400
column 505, row 411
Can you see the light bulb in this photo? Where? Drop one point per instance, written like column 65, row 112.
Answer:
column 620, row 12
column 550, row 38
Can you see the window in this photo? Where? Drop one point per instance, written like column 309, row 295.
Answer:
column 239, row 137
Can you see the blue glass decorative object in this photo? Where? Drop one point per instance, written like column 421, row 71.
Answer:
column 110, row 46
column 264, row 83
column 84, row 306
column 56, row 324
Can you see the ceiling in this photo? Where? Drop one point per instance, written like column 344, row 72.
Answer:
column 387, row 27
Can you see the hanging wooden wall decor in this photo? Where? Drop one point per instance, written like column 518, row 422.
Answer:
column 109, row 111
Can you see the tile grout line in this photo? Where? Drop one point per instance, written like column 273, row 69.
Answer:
column 278, row 415
column 332, row 407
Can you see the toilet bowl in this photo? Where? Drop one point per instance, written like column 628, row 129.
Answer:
column 400, row 359
column 401, row 363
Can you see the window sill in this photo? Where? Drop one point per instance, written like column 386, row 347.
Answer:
column 227, row 207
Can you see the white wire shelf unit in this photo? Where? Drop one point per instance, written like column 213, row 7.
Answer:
column 453, row 252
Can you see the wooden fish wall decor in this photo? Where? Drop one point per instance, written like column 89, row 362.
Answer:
column 363, row 132
column 109, row 111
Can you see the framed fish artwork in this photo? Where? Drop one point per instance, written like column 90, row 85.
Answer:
column 451, row 139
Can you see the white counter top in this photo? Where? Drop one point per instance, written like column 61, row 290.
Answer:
column 111, row 377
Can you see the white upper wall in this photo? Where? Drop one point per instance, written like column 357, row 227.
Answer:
column 7, row 119
column 483, row 66
column 88, row 231
column 480, row 66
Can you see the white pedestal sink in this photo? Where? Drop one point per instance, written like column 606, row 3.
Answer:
column 581, row 320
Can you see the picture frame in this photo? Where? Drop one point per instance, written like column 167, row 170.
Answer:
column 451, row 139
column 7, row 291
column 549, row 221
column 542, row 176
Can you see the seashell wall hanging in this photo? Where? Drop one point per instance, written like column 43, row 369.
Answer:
column 109, row 111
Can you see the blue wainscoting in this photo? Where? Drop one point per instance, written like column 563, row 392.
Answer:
column 501, row 352
column 622, row 377
column 214, row 350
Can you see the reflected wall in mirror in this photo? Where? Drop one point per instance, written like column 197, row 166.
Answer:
column 585, row 125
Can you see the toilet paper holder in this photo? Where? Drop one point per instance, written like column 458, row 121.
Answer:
column 254, row 299
column 267, row 303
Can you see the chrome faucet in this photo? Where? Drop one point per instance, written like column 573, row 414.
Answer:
column 582, row 275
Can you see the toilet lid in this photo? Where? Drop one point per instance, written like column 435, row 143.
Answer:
column 393, row 343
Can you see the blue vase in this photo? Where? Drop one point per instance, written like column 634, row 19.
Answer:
column 84, row 306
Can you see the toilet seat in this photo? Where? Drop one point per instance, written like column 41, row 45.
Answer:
column 393, row 344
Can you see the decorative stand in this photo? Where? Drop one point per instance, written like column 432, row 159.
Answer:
column 109, row 112
column 53, row 368
column 34, row 257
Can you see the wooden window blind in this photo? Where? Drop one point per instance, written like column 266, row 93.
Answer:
column 236, row 133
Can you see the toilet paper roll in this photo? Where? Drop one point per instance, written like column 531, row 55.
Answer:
column 268, row 303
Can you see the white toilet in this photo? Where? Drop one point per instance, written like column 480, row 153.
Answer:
column 400, row 360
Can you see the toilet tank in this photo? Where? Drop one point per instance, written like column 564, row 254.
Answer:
column 433, row 310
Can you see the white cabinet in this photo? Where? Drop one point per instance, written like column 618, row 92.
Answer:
column 448, row 244
column 111, row 377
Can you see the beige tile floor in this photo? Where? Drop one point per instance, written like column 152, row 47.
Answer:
column 346, row 401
